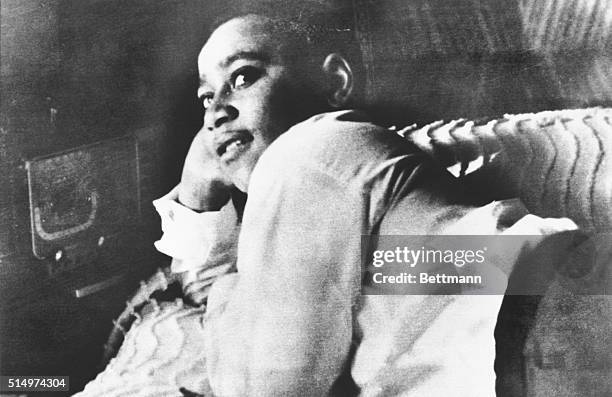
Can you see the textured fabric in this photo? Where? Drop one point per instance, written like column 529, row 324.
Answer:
column 161, row 354
column 557, row 162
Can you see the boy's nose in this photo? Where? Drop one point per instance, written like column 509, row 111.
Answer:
column 219, row 114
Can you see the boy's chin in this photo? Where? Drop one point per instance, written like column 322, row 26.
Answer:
column 240, row 177
column 239, row 170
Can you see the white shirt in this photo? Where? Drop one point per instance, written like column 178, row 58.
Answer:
column 293, row 319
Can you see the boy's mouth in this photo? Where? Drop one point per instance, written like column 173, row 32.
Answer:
column 236, row 143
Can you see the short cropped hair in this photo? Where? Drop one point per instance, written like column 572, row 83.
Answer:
column 312, row 28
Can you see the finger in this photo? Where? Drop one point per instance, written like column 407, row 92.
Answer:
column 204, row 186
column 201, row 193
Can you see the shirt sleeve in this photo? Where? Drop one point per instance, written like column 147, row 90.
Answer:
column 186, row 234
column 285, row 326
column 197, row 242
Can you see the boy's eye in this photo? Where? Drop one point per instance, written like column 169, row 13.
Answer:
column 206, row 101
column 244, row 77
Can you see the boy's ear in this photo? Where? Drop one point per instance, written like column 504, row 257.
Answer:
column 339, row 78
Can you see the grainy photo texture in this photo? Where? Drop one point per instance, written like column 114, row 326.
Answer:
column 306, row 198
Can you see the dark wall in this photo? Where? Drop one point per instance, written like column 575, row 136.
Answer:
column 107, row 67
column 129, row 64
column 434, row 59
column 79, row 71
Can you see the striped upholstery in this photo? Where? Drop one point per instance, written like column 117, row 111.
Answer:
column 557, row 162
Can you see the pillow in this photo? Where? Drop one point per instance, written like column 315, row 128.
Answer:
column 557, row 162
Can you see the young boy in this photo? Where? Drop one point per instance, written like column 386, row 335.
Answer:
column 292, row 320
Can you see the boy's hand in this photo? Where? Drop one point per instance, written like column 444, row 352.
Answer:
column 203, row 185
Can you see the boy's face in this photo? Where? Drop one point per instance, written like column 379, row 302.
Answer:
column 250, row 92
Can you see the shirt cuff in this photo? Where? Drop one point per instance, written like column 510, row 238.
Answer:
column 187, row 235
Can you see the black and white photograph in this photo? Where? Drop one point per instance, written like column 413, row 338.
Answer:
column 374, row 198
